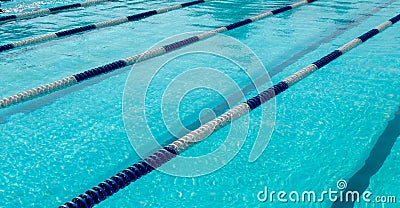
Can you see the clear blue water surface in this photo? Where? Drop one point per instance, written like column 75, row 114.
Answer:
column 58, row 147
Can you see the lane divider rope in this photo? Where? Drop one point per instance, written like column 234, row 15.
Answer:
column 77, row 78
column 98, row 25
column 43, row 12
column 124, row 178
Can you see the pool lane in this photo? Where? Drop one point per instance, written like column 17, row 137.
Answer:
column 377, row 157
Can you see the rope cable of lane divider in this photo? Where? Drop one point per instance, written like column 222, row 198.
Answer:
column 98, row 25
column 124, row 178
column 43, row 12
column 77, row 78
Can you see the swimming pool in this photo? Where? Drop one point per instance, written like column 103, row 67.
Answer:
column 326, row 126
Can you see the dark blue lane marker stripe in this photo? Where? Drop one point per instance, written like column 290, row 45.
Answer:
column 238, row 24
column 192, row 3
column 368, row 35
column 280, row 10
column 179, row 44
column 7, row 18
column 141, row 15
column 75, row 30
column 266, row 95
column 377, row 157
column 100, row 70
column 6, row 47
column 395, row 19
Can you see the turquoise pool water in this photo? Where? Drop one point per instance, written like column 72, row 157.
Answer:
column 61, row 145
